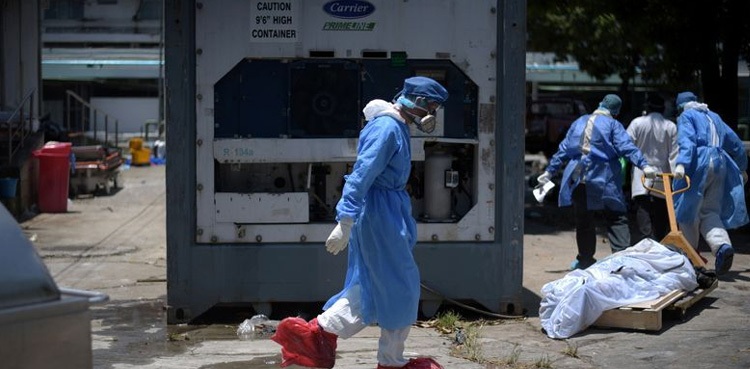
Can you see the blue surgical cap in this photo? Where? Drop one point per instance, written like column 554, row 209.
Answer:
column 684, row 97
column 612, row 103
column 425, row 87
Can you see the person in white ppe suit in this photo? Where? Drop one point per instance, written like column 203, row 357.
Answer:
column 592, row 179
column 375, row 221
column 656, row 137
column 714, row 158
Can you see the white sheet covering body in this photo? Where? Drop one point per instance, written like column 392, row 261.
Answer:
column 640, row 273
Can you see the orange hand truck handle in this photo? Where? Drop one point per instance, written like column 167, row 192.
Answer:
column 666, row 177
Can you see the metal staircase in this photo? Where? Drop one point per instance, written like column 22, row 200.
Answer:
column 88, row 122
column 15, row 129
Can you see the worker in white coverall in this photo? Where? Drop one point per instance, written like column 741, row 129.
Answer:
column 714, row 158
column 375, row 220
column 592, row 179
column 656, row 137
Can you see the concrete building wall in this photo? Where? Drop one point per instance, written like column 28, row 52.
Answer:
column 20, row 76
column 131, row 112
column 19, row 52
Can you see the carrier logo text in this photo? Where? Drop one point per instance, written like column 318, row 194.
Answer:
column 348, row 9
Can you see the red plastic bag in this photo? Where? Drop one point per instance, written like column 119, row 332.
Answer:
column 305, row 344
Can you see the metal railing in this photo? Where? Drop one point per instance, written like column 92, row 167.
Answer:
column 17, row 133
column 89, row 114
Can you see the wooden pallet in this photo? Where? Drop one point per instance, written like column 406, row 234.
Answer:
column 648, row 315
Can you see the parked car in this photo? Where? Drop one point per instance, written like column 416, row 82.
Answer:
column 548, row 120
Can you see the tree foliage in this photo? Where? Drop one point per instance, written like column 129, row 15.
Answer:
column 686, row 45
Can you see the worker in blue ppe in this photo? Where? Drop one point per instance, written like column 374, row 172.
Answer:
column 656, row 137
column 714, row 158
column 375, row 220
column 592, row 179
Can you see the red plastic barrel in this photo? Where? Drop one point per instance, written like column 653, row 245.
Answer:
column 54, row 176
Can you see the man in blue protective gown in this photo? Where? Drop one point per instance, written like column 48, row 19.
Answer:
column 592, row 179
column 375, row 220
column 714, row 158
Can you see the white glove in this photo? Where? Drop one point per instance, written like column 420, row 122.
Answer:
column 649, row 171
column 339, row 238
column 679, row 171
column 544, row 178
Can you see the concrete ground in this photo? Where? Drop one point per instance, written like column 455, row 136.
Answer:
column 117, row 245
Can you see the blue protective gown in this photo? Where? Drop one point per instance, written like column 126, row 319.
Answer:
column 698, row 150
column 384, row 231
column 601, row 167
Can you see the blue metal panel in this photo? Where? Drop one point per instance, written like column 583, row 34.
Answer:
column 382, row 80
column 251, row 100
column 227, row 98
column 324, row 99
column 264, row 98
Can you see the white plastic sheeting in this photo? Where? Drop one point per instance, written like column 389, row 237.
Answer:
column 640, row 273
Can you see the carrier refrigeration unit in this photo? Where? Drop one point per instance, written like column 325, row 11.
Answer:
column 264, row 104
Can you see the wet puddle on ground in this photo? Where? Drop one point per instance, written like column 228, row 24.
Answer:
column 220, row 332
column 214, row 332
column 264, row 362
